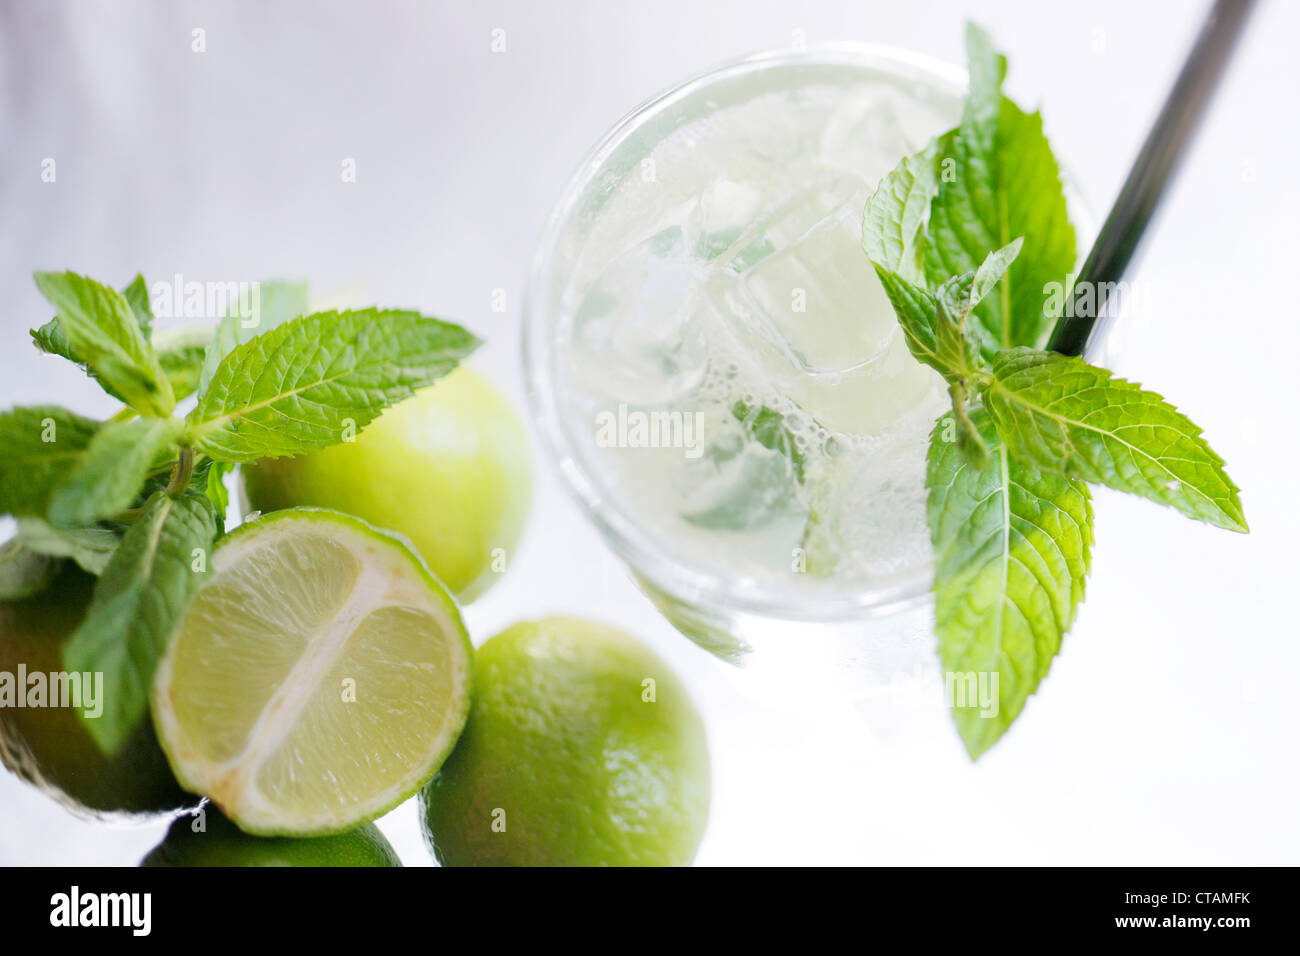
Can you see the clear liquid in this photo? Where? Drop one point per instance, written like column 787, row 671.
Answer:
column 722, row 309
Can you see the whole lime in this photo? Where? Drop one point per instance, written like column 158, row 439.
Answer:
column 582, row 748
column 209, row 839
column 50, row 746
column 449, row 468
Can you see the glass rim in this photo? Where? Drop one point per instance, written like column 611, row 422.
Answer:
column 712, row 592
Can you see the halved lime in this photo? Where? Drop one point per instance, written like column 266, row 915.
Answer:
column 318, row 679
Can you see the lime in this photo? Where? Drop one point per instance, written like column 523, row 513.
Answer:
column 49, row 746
column 317, row 680
column 582, row 748
column 209, row 839
column 449, row 468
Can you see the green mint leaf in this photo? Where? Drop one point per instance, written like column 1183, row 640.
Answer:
column 1068, row 417
column 916, row 307
column 209, row 478
column 893, row 239
column 24, row 572
column 91, row 547
column 137, row 297
column 956, row 346
column 303, row 384
column 138, row 602
column 935, row 326
column 40, row 443
column 102, row 330
column 1004, row 182
column 180, row 355
column 108, row 477
column 767, row 427
column 893, row 226
column 49, row 337
column 277, row 302
column 1011, row 549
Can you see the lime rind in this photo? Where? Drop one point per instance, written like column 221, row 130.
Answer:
column 390, row 575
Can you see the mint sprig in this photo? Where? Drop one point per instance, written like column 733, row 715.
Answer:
column 966, row 260
column 105, row 333
column 139, row 499
column 298, row 387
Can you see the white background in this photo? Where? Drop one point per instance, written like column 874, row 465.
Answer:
column 1166, row 732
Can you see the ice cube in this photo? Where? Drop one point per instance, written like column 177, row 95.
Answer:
column 814, row 320
column 783, row 227
column 636, row 335
column 867, row 137
column 726, row 210
column 819, row 299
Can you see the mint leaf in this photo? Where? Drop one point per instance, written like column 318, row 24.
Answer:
column 767, row 427
column 209, row 478
column 1068, row 417
column 1011, row 549
column 957, row 348
column 299, row 386
column 893, row 226
column 24, row 572
column 91, row 547
column 957, row 352
column 180, row 355
column 107, row 478
column 138, row 601
column 40, row 443
column 277, row 302
column 893, row 238
column 1005, row 183
column 915, row 307
column 101, row 329
column 137, row 297
column 49, row 337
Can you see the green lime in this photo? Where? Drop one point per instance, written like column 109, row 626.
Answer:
column 318, row 679
column 582, row 748
column 449, row 468
column 209, row 839
column 49, row 746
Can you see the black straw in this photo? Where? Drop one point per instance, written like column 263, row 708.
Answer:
column 1165, row 146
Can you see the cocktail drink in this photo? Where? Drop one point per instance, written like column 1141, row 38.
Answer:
column 720, row 373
